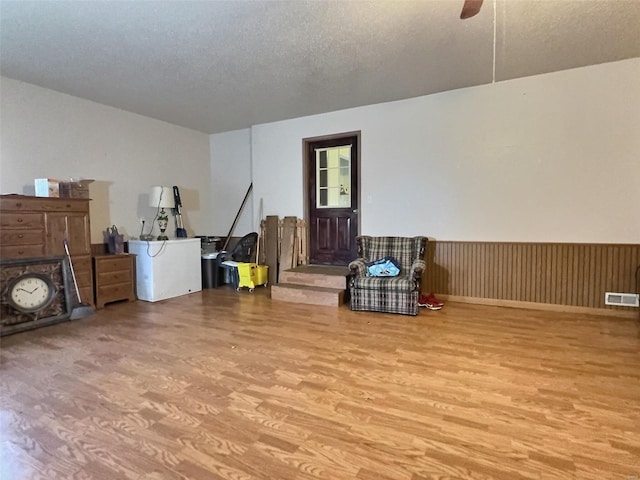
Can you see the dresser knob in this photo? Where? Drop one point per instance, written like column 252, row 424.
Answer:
column 18, row 205
column 20, row 236
column 19, row 220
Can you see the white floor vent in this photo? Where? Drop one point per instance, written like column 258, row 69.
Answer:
column 622, row 299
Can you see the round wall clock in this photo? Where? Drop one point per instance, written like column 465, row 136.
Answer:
column 33, row 292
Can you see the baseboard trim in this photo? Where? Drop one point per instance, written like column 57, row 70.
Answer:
column 630, row 314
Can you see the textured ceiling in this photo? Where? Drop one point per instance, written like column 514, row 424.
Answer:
column 216, row 66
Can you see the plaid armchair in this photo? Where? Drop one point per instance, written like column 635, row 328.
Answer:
column 388, row 294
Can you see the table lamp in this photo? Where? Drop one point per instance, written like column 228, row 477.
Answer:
column 161, row 197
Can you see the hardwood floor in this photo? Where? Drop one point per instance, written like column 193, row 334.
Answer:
column 229, row 385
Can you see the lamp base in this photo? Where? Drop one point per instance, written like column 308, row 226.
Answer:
column 163, row 219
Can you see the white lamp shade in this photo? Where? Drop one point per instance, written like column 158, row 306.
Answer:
column 161, row 197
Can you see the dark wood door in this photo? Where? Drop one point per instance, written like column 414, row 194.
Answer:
column 333, row 200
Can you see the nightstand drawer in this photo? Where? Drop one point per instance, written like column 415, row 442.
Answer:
column 112, row 293
column 113, row 263
column 112, row 278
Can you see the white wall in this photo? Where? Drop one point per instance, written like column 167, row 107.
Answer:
column 549, row 158
column 48, row 134
column 230, row 179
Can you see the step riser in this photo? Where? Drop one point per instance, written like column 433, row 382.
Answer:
column 313, row 279
column 285, row 294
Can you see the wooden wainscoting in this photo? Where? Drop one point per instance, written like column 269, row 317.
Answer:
column 539, row 275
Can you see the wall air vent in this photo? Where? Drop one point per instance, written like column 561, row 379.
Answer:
column 622, row 299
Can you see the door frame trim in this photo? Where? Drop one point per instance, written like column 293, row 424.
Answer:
column 305, row 174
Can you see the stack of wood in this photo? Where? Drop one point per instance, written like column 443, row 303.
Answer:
column 283, row 244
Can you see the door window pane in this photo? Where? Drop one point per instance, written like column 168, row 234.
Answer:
column 323, row 159
column 322, row 179
column 333, row 177
column 323, row 196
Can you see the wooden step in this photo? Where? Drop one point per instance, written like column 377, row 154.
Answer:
column 310, row 295
column 317, row 276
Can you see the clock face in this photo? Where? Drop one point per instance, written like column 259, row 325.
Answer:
column 31, row 292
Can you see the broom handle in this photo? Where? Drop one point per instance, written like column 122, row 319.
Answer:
column 226, row 242
column 73, row 274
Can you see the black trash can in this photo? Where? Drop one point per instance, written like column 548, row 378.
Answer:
column 212, row 276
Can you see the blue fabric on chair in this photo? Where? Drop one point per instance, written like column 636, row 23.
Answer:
column 385, row 267
column 388, row 294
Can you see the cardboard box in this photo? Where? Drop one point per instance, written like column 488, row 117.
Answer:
column 79, row 189
column 47, row 187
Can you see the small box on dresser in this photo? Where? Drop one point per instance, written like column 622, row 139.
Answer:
column 114, row 278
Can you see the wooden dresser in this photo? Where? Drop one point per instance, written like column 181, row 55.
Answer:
column 37, row 226
column 114, row 278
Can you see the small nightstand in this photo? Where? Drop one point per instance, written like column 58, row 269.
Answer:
column 114, row 278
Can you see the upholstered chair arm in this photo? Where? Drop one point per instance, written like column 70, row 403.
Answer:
column 358, row 268
column 417, row 268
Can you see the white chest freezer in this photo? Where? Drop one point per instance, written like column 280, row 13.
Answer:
column 166, row 269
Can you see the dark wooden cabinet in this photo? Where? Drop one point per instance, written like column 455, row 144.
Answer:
column 37, row 226
column 114, row 278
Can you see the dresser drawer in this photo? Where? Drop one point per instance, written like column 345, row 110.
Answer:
column 26, row 203
column 20, row 237
column 86, row 294
column 84, row 275
column 81, row 263
column 21, row 251
column 32, row 221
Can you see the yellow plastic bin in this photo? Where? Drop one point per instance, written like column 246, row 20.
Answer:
column 251, row 274
column 262, row 275
column 246, row 276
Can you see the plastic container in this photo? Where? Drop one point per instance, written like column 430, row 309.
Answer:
column 246, row 276
column 250, row 275
column 262, row 275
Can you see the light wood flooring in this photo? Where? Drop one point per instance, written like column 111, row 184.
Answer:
column 229, row 385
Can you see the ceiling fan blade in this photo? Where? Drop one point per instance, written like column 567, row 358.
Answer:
column 470, row 8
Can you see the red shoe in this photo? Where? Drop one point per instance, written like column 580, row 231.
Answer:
column 430, row 301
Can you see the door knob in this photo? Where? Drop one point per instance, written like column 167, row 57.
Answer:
column 355, row 210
